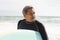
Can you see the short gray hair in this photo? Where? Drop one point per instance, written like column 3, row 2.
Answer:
column 26, row 8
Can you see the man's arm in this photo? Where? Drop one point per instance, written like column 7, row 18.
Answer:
column 42, row 31
column 18, row 25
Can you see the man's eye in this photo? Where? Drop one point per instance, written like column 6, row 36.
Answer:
column 33, row 12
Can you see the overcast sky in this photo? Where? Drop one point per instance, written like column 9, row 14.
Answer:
column 41, row 7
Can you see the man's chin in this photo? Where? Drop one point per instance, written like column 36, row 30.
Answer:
column 33, row 20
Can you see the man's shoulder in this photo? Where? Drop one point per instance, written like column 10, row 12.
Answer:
column 38, row 22
column 21, row 20
column 40, row 25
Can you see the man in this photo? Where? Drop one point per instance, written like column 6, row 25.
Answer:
column 30, row 23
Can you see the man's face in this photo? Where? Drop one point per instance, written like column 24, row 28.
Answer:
column 30, row 15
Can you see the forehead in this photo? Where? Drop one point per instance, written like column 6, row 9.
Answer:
column 30, row 10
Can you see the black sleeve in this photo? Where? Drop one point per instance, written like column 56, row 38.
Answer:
column 42, row 31
column 18, row 25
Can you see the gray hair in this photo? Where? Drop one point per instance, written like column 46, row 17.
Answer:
column 26, row 8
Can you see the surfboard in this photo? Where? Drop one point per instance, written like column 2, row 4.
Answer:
column 23, row 35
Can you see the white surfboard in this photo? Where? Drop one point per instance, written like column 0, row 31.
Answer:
column 23, row 35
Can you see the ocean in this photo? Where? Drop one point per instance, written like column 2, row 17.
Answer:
column 8, row 25
column 45, row 19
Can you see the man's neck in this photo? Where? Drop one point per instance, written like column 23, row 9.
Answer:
column 30, row 20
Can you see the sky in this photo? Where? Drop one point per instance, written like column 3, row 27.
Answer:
column 41, row 7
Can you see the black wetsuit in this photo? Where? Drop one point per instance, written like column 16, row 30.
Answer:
column 22, row 24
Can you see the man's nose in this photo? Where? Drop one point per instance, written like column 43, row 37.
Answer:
column 33, row 15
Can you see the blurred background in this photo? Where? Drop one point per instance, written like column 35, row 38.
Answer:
column 47, row 12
